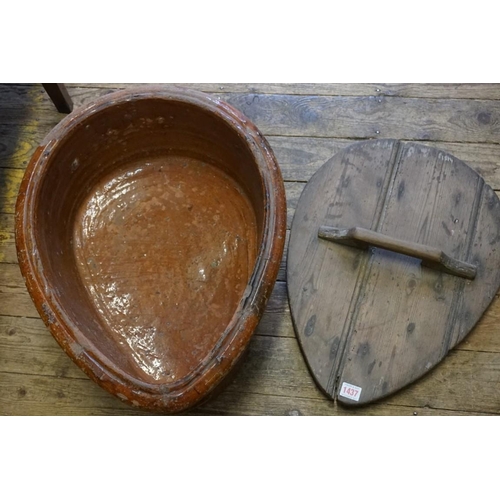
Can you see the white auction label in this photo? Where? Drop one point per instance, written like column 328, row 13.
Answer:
column 350, row 391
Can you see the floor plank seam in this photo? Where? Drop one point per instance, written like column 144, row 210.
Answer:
column 11, row 287
column 19, row 316
column 46, row 375
column 444, row 409
column 265, row 394
column 367, row 95
column 376, row 137
column 473, row 350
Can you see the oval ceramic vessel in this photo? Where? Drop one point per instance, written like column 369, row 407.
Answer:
column 150, row 227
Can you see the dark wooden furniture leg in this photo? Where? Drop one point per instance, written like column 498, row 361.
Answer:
column 60, row 97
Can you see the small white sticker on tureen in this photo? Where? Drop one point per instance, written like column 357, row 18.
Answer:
column 350, row 391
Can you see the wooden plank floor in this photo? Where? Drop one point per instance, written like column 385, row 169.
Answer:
column 305, row 124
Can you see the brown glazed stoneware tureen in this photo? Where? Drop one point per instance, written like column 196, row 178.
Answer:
column 150, row 227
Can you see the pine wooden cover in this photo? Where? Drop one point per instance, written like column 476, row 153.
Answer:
column 370, row 321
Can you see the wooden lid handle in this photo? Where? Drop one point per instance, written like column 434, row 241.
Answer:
column 431, row 257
